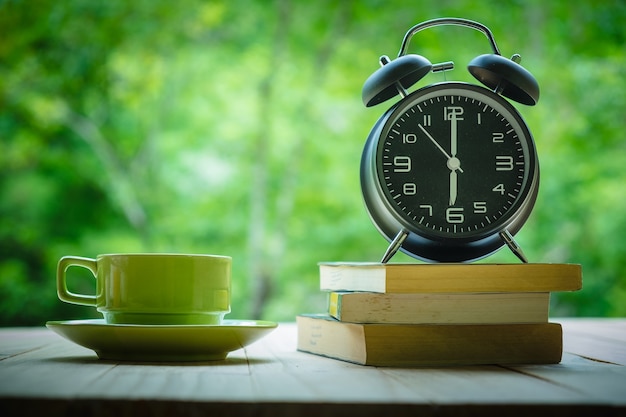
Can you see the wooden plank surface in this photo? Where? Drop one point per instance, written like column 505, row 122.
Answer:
column 41, row 373
column 601, row 340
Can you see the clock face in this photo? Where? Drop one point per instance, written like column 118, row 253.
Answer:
column 455, row 161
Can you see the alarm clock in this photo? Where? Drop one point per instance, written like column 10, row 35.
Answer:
column 450, row 172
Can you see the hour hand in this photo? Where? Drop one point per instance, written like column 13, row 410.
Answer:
column 453, row 187
column 454, row 165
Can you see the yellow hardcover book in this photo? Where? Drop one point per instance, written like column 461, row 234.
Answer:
column 406, row 345
column 440, row 308
column 449, row 278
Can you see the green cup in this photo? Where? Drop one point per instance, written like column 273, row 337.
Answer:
column 154, row 289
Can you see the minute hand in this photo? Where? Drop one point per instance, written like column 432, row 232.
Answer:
column 453, row 136
column 443, row 151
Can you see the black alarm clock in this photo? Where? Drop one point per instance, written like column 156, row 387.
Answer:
column 450, row 172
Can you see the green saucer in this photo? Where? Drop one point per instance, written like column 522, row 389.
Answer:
column 170, row 343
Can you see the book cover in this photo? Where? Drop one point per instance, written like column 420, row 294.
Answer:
column 440, row 308
column 406, row 345
column 449, row 278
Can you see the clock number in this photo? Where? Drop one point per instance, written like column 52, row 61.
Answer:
column 409, row 188
column 427, row 120
column 497, row 137
column 455, row 215
column 499, row 189
column 402, row 164
column 427, row 207
column 480, row 207
column 409, row 138
column 504, row 163
column 452, row 113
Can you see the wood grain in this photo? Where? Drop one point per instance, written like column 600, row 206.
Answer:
column 43, row 374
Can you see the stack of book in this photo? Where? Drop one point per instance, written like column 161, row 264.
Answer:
column 438, row 314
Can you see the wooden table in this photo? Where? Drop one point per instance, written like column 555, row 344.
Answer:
column 42, row 374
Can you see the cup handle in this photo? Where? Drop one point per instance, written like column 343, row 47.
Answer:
column 62, row 291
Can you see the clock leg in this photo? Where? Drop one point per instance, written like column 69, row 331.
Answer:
column 512, row 244
column 394, row 246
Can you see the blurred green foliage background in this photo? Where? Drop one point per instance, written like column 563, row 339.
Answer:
column 236, row 127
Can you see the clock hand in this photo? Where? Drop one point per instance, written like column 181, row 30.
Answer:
column 453, row 163
column 434, row 141
column 453, row 135
column 453, row 187
column 443, row 151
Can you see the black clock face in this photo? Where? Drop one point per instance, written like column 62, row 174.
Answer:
column 455, row 161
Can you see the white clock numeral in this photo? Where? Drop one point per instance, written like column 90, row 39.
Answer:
column 499, row 189
column 427, row 207
column 453, row 113
column 455, row 215
column 504, row 163
column 427, row 120
column 402, row 164
column 409, row 138
column 480, row 207
column 498, row 137
column 409, row 188
column 479, row 119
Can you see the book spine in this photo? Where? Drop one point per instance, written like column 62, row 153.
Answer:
column 334, row 307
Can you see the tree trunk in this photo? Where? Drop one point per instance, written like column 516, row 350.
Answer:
column 267, row 247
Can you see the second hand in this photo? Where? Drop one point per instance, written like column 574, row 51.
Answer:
column 448, row 157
